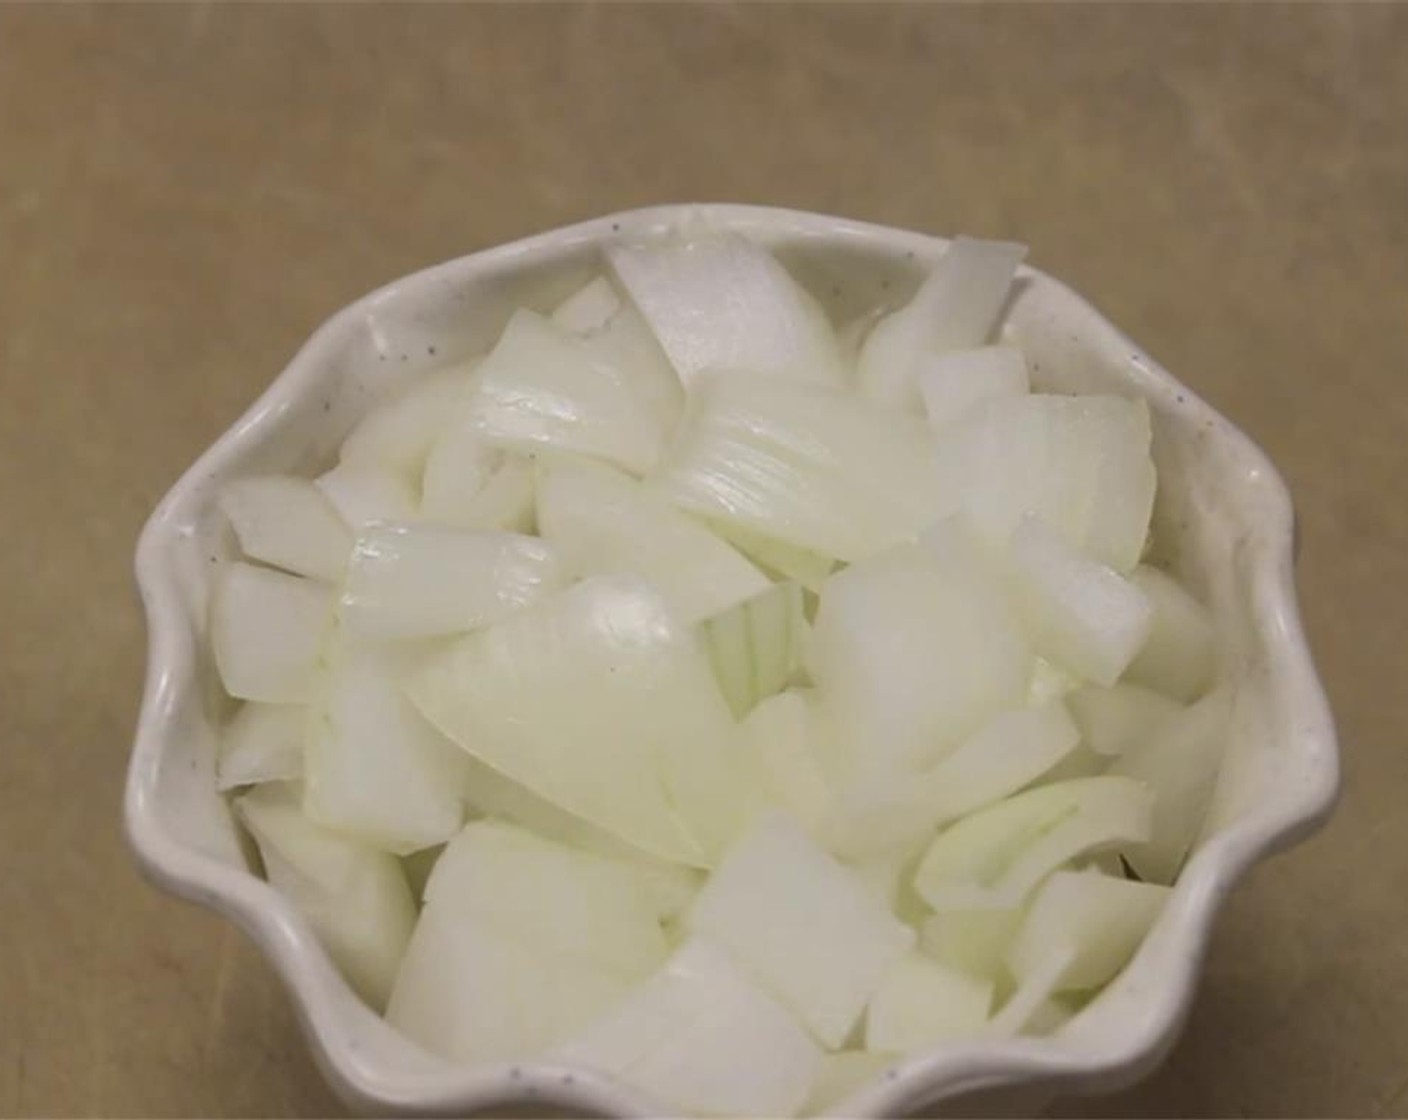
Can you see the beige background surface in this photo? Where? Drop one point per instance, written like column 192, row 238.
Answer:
column 185, row 192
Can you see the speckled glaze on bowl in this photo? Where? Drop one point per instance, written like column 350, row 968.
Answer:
column 1223, row 522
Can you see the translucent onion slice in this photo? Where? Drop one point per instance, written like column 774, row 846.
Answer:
column 1179, row 658
column 993, row 858
column 1102, row 918
column 1180, row 763
column 721, row 302
column 589, row 308
column 956, row 308
column 355, row 898
column 954, row 383
column 603, row 522
column 755, row 646
column 567, row 902
column 703, row 1037
column 1118, row 719
column 266, row 631
column 912, row 652
column 1027, row 1005
column 921, row 1002
column 601, row 702
column 1079, row 463
column 803, row 924
column 262, row 743
column 421, row 581
column 374, row 769
column 781, row 732
column 808, row 466
column 397, row 433
column 616, row 332
column 458, row 469
column 491, row 794
column 287, row 522
column 1082, row 615
column 542, row 389
column 471, row 991
column 1010, row 751
column 625, row 342
column 973, row 941
column 365, row 493
column 1050, row 682
column 785, row 561
column 503, row 498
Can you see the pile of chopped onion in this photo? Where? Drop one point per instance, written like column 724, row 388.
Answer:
column 669, row 694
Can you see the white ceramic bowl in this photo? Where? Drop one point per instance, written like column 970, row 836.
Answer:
column 1223, row 521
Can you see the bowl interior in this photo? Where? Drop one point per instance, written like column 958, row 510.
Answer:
column 1222, row 523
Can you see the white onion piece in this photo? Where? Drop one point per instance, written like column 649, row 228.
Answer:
column 397, row 433
column 785, row 561
column 911, row 654
column 1049, row 682
column 1180, row 656
column 993, row 858
column 566, row 902
column 471, row 991
column 1101, row 919
column 603, row 522
column 780, row 731
column 421, row 581
column 952, row 384
column 720, row 302
column 589, row 308
column 626, row 342
column 590, row 699
column 1013, row 748
column 542, row 389
column 458, row 470
column 1082, row 615
column 1027, row 1005
column 888, row 873
column 364, row 493
column 262, row 743
column 287, row 522
column 505, row 498
column 1008, row 752
column 1082, row 762
column 755, row 646
column 809, row 466
column 880, row 873
column 374, row 769
column 266, row 631
column 491, row 794
column 702, row 1037
column 615, row 332
column 844, row 1073
column 972, row 941
column 1180, row 764
column 1115, row 720
column 802, row 924
column 355, row 898
column 1117, row 525
column 956, row 308
column 1079, row 463
column 921, row 1003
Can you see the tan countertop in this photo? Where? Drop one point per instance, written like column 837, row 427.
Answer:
column 185, row 192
